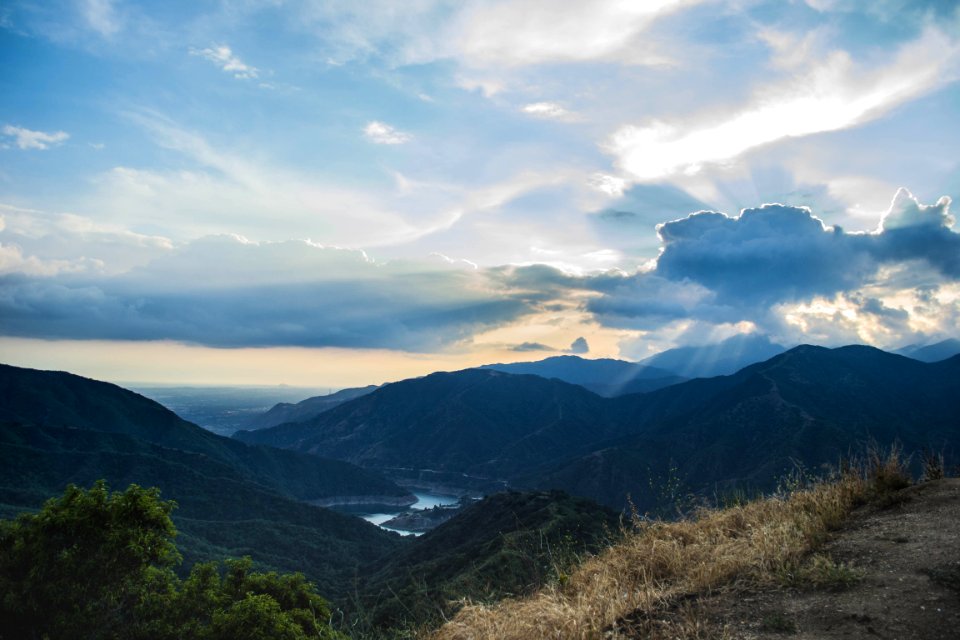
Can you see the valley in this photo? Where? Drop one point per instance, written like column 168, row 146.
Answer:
column 377, row 494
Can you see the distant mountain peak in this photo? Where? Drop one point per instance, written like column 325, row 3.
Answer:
column 717, row 359
column 931, row 352
column 604, row 376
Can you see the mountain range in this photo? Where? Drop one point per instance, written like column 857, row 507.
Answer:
column 305, row 409
column 666, row 448
column 932, row 352
column 809, row 405
column 717, row 359
column 604, row 376
column 233, row 500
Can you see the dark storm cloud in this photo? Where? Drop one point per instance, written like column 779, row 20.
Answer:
column 768, row 254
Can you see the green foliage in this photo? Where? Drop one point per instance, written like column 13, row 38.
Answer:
column 82, row 558
column 219, row 513
column 505, row 545
column 97, row 565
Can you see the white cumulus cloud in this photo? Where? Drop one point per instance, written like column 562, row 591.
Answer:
column 27, row 139
column 382, row 133
column 222, row 56
column 548, row 111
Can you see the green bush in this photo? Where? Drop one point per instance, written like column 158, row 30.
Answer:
column 99, row 565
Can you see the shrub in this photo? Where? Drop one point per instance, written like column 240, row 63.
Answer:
column 97, row 565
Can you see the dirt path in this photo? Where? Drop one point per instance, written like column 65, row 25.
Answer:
column 909, row 558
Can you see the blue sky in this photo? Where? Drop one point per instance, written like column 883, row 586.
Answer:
column 341, row 193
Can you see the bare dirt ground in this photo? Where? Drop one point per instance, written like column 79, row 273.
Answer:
column 905, row 559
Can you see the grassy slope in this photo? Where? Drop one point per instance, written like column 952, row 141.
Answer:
column 660, row 565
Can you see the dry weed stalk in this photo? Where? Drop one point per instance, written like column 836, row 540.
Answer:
column 661, row 563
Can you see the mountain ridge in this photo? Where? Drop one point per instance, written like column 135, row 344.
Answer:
column 545, row 434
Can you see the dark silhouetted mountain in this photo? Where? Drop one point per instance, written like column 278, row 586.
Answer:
column 50, row 398
column 810, row 405
column 932, row 352
column 507, row 544
column 478, row 421
column 306, row 409
column 603, row 376
column 720, row 359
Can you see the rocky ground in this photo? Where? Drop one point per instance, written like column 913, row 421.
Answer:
column 892, row 573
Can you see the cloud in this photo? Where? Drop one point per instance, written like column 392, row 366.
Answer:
column 613, row 186
column 726, row 269
column 770, row 253
column 532, row 32
column 217, row 189
column 524, row 347
column 40, row 242
column 382, row 133
column 906, row 211
column 290, row 293
column 549, row 111
column 222, row 56
column 101, row 16
column 579, row 345
column 835, row 94
column 776, row 269
column 27, row 139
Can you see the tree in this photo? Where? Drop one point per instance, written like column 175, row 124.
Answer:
column 95, row 565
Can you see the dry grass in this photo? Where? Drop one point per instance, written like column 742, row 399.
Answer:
column 887, row 469
column 660, row 566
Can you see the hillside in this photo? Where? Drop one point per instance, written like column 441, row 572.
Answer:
column 809, row 405
column 232, row 499
column 505, row 545
column 854, row 557
column 57, row 399
column 305, row 409
column 905, row 566
column 478, row 422
column 603, row 376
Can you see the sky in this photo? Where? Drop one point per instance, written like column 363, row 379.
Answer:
column 334, row 193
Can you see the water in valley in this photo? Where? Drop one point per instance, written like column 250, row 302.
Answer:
column 424, row 501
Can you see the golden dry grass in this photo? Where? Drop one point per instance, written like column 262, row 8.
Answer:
column 659, row 565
